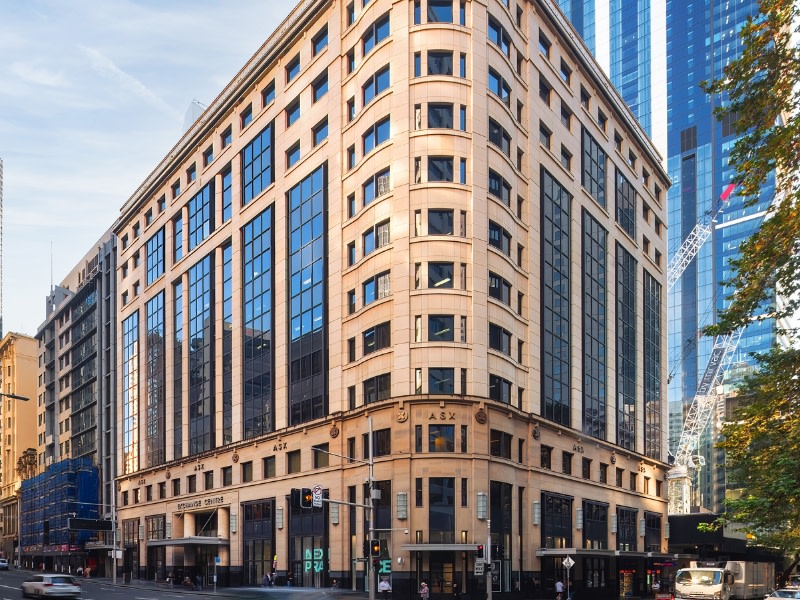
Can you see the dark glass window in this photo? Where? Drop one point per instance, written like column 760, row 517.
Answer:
column 652, row 366
column 376, row 135
column 377, row 185
column 499, row 36
column 556, row 335
column 652, row 532
column 202, row 334
column 381, row 443
column 292, row 68
column 625, row 204
column 320, row 87
column 556, row 521
column 626, row 349
column 440, row 11
column 177, row 360
column 376, row 33
column 500, row 443
column 441, row 380
column 246, row 116
column 499, row 87
column 499, row 339
column 268, row 94
column 499, row 187
column 546, row 457
column 258, row 158
column 593, row 168
column 440, row 168
column 595, row 361
column 293, row 155
column 440, row 62
column 627, row 529
column 376, row 237
column 595, row 525
column 257, row 306
column 499, row 389
column 440, row 222
column 441, row 438
column 319, row 41
column 440, row 116
column 155, row 256
column 227, row 194
column 499, row 288
column 499, row 137
column 293, row 112
column 155, row 428
column 440, row 275
column 377, row 388
column 499, row 238
column 441, row 510
column 376, row 84
column 320, row 131
column 227, row 343
column 376, row 287
column 227, row 137
column 201, row 215
column 377, row 338
column 441, row 328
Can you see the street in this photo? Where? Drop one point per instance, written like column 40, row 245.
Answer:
column 103, row 589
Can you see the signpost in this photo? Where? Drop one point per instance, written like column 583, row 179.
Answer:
column 316, row 498
column 568, row 563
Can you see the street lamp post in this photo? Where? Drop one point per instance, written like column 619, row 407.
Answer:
column 19, row 500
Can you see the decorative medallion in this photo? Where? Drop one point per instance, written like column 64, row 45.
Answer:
column 481, row 416
column 613, row 458
column 235, row 457
column 168, row 475
column 334, row 432
column 402, row 416
column 536, row 433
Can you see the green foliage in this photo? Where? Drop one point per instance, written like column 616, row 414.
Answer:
column 761, row 94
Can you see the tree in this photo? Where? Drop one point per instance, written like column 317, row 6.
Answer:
column 761, row 97
column 762, row 446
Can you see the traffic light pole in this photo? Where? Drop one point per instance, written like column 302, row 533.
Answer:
column 488, row 554
column 372, row 576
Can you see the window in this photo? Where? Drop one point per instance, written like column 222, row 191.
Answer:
column 440, row 168
column 617, row 142
column 565, row 72
column 500, row 443
column 440, row 62
column 566, row 158
column 417, row 12
column 293, row 464
column 351, row 254
column 376, row 135
column 593, row 168
column 544, row 44
column 176, row 189
column 155, row 256
column 376, row 237
column 499, row 36
column 268, row 466
column 176, row 487
column 632, row 159
column 602, row 119
column 440, row 222
column 351, row 13
column 566, row 463
column 351, row 349
column 441, row 328
column 177, row 239
column 376, row 33
column 462, row 121
column 499, row 389
column 320, row 87
column 544, row 90
column 546, row 457
column 319, row 456
column 440, row 116
column 440, row 380
column 499, row 238
column 320, row 131
column 247, row 471
column 351, row 60
column 462, row 65
column 268, row 94
column 566, row 116
column 586, row 468
column 208, row 156
column 292, row 68
column 544, row 135
column 351, row 157
column 227, row 137
column 191, row 484
column 376, row 287
column 351, row 109
column 293, row 112
column 246, row 116
column 375, row 85
column 625, row 196
column 440, row 275
column 499, row 87
column 257, row 159
column 499, row 137
column 351, row 302
column 377, row 338
column 499, row 339
column 440, row 11
column 162, row 204
column 602, row 475
column 227, row 476
column 319, row 41
column 585, row 98
column 499, row 188
column 376, row 186
column 381, row 443
column 499, row 288
column 441, row 438
column 377, row 388
column 293, row 155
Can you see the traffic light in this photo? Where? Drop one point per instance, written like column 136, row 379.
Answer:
column 479, row 551
column 375, row 548
column 306, row 498
column 375, row 563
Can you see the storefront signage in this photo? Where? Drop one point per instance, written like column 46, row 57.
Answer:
column 214, row 501
column 313, row 560
column 442, row 416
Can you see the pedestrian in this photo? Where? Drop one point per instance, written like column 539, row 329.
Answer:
column 384, row 587
column 265, row 580
column 424, row 592
column 334, row 585
column 455, row 590
column 559, row 590
column 289, row 579
column 199, row 581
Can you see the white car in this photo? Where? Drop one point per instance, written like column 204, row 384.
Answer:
column 784, row 593
column 51, row 585
column 3, row 564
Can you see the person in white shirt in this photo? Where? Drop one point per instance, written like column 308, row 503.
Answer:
column 384, row 587
column 559, row 589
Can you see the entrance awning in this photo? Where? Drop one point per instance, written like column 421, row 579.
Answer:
column 556, row 552
column 440, row 547
column 192, row 540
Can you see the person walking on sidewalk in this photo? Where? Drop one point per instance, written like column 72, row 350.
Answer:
column 384, row 587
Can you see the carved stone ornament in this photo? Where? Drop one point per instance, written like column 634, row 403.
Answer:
column 536, row 433
column 168, row 475
column 481, row 416
column 235, row 457
column 402, row 416
column 334, row 432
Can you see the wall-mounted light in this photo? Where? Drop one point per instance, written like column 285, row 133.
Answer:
column 402, row 505
column 642, row 527
column 613, row 523
column 666, row 530
column 234, row 522
column 481, row 506
column 168, row 530
column 334, row 508
column 279, row 517
column 141, row 532
column 537, row 512
column 578, row 519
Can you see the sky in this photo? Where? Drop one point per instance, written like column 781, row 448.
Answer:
column 93, row 94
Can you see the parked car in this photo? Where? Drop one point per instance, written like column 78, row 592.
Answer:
column 51, row 584
column 784, row 593
column 3, row 564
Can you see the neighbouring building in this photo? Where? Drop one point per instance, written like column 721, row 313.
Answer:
column 411, row 258
column 74, row 471
column 18, row 371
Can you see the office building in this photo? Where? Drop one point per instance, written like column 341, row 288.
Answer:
column 411, row 259
column 18, row 372
column 75, row 464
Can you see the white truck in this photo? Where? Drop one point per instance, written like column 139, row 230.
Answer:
column 731, row 580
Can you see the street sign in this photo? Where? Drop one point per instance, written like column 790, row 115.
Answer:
column 568, row 562
column 479, row 568
column 316, row 499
